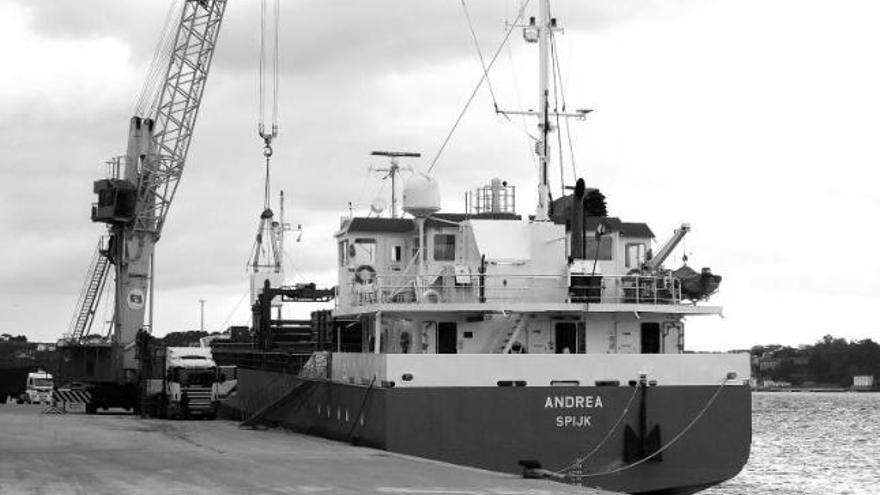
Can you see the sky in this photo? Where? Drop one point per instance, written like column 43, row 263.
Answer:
column 753, row 120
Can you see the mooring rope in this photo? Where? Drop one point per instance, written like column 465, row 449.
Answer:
column 581, row 460
column 668, row 444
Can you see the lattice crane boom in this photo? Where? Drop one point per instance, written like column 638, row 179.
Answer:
column 179, row 102
column 135, row 199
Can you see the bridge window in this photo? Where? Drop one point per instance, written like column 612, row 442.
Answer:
column 444, row 247
column 343, row 253
column 635, row 255
column 364, row 252
column 396, row 253
column 600, row 251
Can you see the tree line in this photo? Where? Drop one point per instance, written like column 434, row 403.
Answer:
column 831, row 361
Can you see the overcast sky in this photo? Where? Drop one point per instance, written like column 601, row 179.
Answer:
column 754, row 120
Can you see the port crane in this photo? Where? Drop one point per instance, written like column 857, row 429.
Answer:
column 134, row 201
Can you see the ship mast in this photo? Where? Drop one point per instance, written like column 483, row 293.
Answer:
column 542, row 147
column 540, row 31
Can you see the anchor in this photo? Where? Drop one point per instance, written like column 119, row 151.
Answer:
column 638, row 446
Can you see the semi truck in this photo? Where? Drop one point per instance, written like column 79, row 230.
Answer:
column 181, row 383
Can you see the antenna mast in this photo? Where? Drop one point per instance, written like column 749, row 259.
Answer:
column 543, row 147
column 393, row 170
column 540, row 31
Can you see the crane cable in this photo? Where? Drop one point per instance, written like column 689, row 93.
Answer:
column 268, row 131
column 268, row 90
column 149, row 95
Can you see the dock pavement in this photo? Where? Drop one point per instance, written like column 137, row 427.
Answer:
column 120, row 453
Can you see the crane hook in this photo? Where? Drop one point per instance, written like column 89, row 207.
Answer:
column 267, row 138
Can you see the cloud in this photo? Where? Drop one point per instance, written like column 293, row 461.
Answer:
column 762, row 140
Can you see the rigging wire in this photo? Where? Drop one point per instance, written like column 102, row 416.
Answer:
column 557, row 77
column 556, row 91
column 222, row 326
column 148, row 98
column 479, row 53
column 477, row 87
column 292, row 266
column 558, row 70
column 524, row 125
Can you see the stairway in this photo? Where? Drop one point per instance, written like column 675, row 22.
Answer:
column 90, row 295
column 505, row 339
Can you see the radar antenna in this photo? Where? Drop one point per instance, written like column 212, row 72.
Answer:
column 393, row 171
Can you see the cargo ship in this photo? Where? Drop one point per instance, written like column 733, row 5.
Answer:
column 550, row 344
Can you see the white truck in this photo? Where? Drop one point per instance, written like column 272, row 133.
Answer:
column 39, row 388
column 183, row 383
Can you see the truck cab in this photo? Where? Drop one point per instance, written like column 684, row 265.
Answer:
column 185, row 384
column 39, row 387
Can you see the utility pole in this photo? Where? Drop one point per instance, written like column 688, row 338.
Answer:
column 202, row 324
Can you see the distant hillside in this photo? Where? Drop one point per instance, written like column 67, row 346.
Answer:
column 830, row 361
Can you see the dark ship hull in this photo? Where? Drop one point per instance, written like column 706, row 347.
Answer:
column 616, row 427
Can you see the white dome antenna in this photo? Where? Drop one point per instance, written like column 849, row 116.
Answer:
column 421, row 196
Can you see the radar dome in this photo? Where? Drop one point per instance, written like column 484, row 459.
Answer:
column 421, row 196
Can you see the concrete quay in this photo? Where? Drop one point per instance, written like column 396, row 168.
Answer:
column 120, row 453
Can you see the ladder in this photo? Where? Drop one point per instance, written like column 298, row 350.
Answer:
column 90, row 294
column 504, row 339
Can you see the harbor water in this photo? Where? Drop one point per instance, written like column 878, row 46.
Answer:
column 811, row 443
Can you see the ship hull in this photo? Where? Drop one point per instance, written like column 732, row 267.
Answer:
column 497, row 427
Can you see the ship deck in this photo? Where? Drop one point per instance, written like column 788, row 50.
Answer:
column 526, row 307
column 120, row 453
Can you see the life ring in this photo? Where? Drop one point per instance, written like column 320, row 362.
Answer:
column 364, row 275
column 430, row 296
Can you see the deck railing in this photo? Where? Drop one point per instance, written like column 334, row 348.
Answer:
column 449, row 288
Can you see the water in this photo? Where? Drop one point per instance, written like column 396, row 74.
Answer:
column 811, row 443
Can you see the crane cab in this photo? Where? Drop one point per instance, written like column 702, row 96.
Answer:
column 117, row 199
